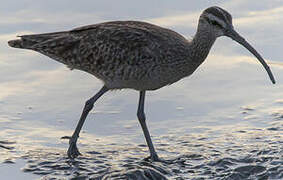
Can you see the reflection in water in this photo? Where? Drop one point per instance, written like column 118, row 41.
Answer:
column 186, row 157
column 199, row 129
column 5, row 144
column 225, row 152
column 202, row 134
column 202, row 138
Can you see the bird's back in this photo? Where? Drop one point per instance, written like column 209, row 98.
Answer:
column 124, row 54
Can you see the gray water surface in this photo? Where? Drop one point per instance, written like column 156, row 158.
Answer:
column 223, row 122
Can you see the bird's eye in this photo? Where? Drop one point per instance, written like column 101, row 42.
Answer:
column 215, row 23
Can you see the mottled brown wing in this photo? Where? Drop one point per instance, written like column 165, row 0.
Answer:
column 115, row 49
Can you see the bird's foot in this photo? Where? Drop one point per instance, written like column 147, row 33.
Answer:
column 154, row 158
column 73, row 151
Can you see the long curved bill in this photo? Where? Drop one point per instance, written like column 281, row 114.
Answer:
column 235, row 36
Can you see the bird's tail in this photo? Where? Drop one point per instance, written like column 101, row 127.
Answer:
column 17, row 43
column 28, row 41
column 58, row 46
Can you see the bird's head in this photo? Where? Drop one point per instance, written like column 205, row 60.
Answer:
column 219, row 23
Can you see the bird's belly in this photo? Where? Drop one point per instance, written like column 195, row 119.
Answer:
column 141, row 84
column 141, row 79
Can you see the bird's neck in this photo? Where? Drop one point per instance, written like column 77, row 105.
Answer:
column 201, row 44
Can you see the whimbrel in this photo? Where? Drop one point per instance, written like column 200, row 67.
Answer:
column 135, row 55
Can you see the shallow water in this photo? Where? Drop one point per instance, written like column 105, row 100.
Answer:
column 203, row 140
column 224, row 122
column 203, row 152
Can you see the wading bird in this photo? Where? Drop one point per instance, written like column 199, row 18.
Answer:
column 134, row 55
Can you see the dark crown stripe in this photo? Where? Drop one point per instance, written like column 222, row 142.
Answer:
column 220, row 13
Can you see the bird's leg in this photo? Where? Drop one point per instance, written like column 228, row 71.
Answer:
column 73, row 150
column 141, row 117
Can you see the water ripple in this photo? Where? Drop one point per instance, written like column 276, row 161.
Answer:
column 195, row 159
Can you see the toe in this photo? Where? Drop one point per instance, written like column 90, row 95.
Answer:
column 73, row 151
column 66, row 137
column 153, row 158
